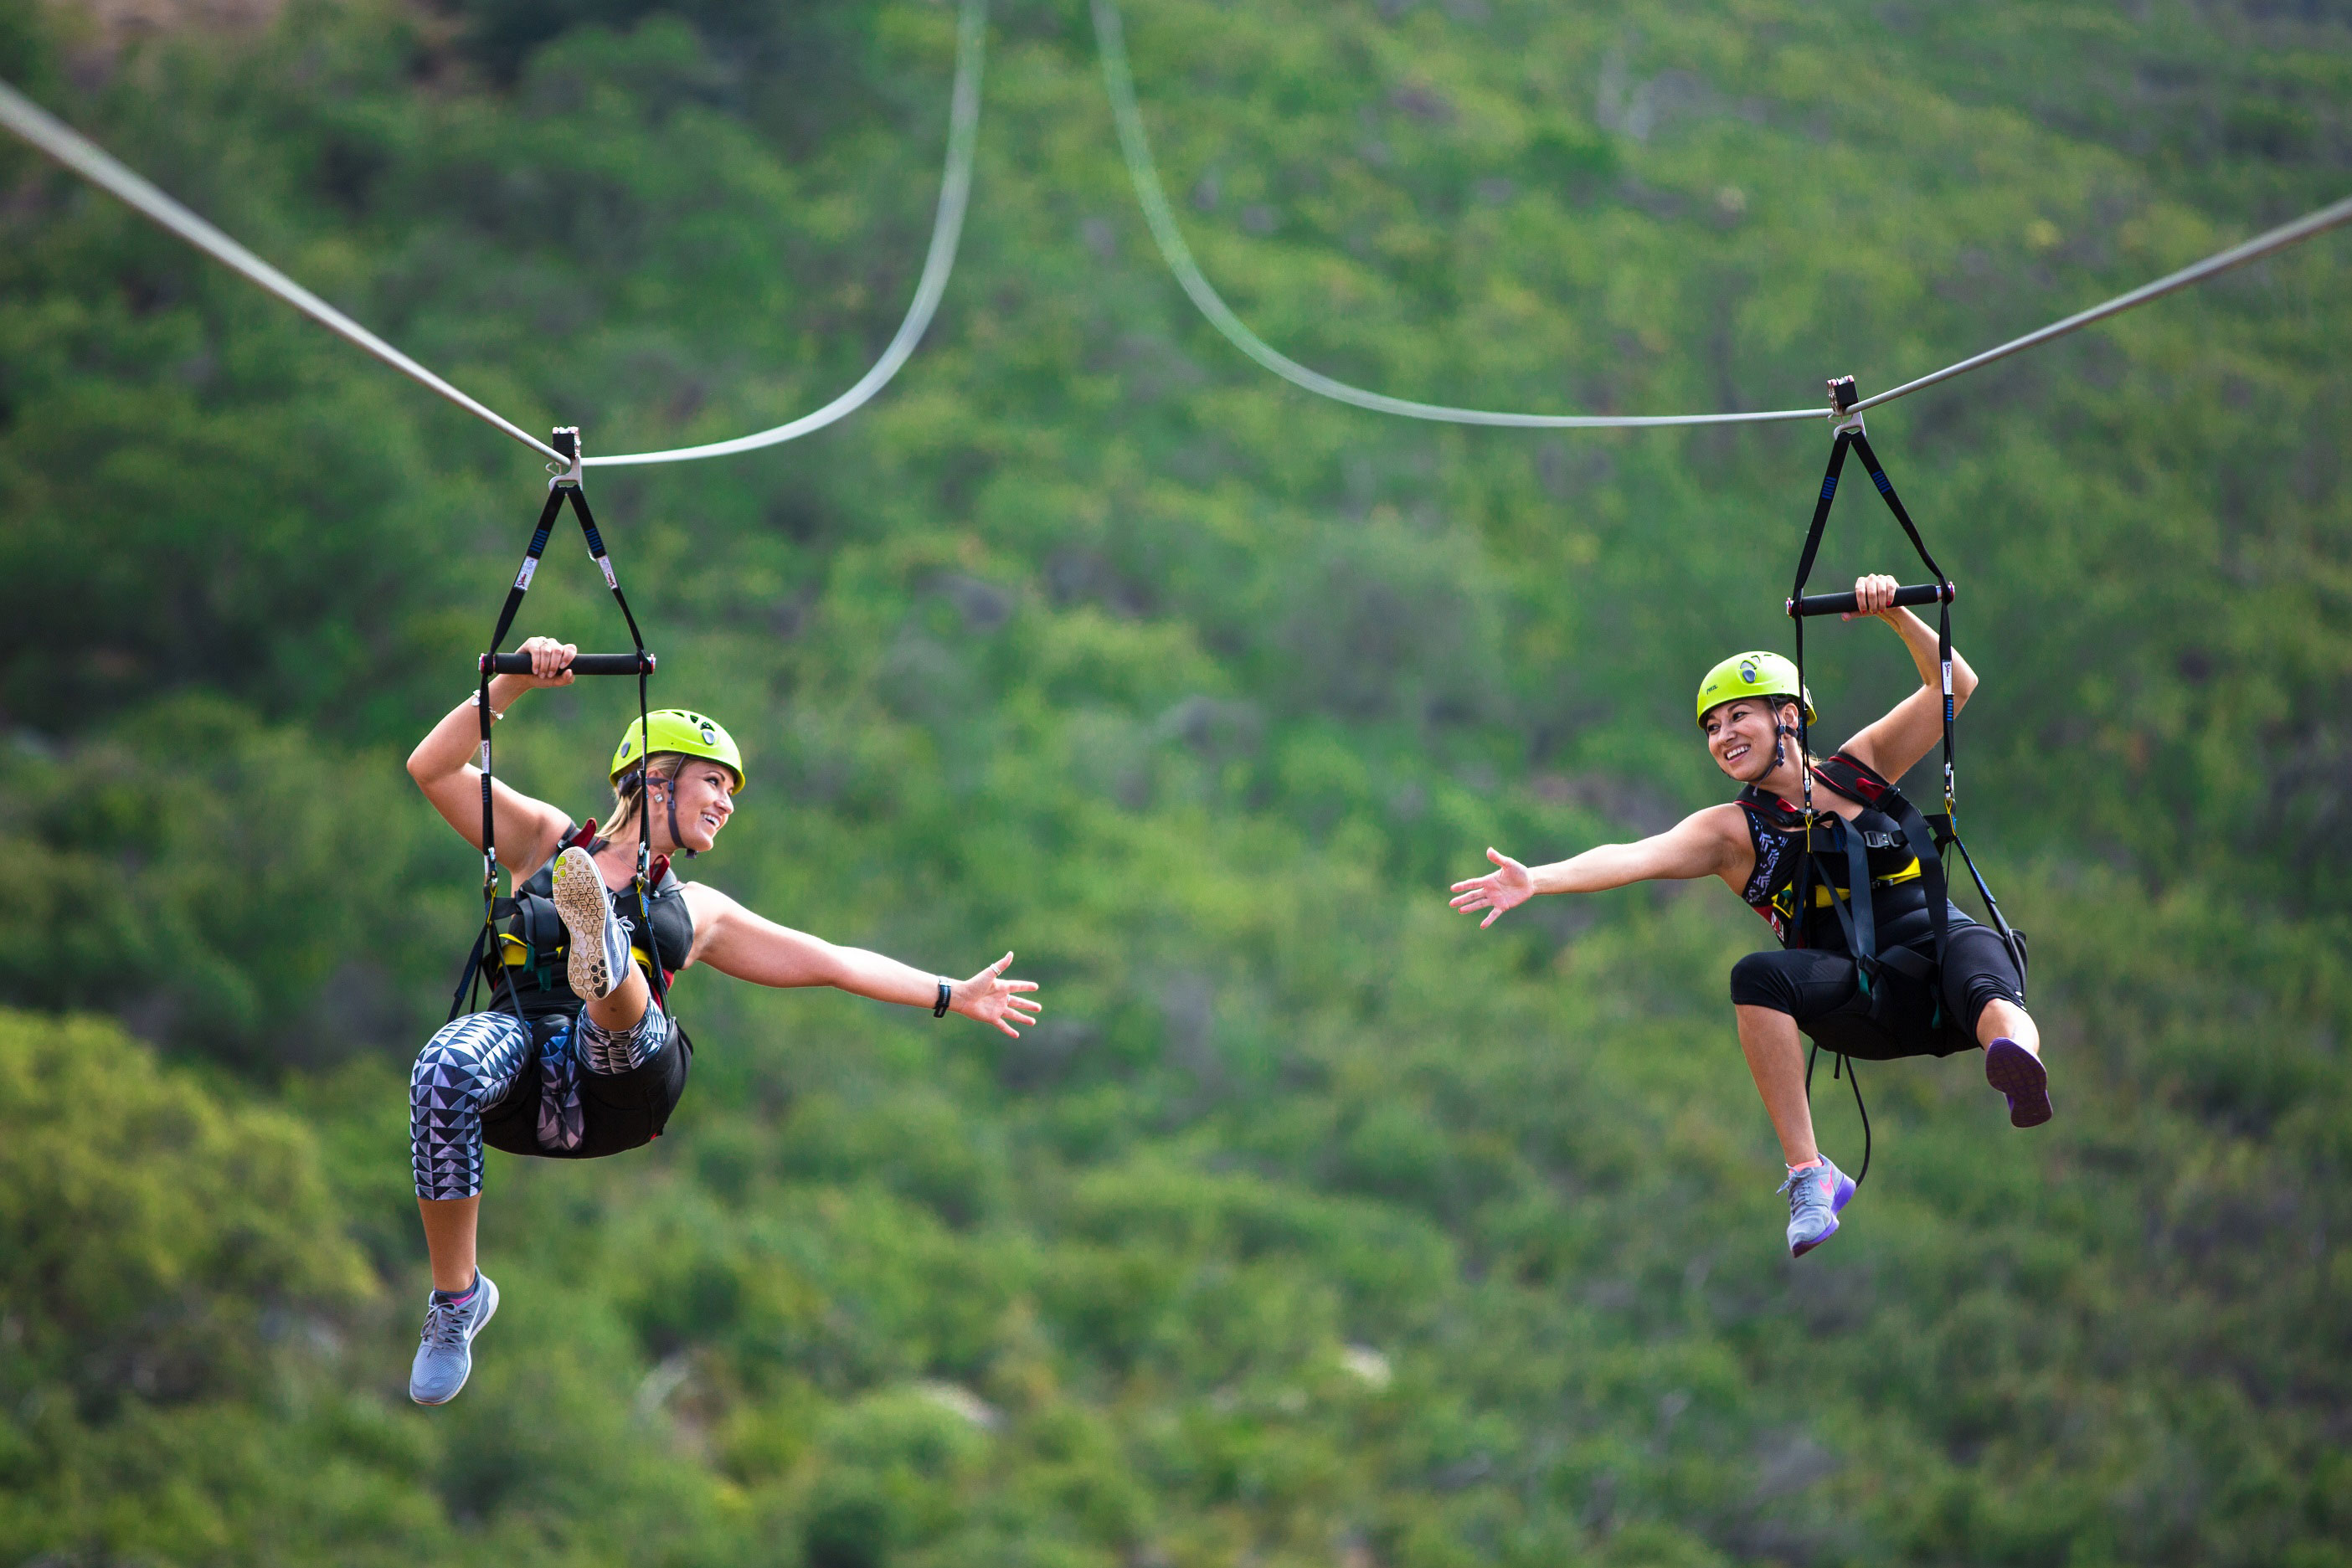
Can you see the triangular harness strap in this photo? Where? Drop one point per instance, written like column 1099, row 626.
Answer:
column 564, row 488
column 1925, row 844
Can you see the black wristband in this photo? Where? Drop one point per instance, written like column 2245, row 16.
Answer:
column 947, row 995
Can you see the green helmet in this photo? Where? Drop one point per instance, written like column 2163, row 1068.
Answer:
column 676, row 729
column 1757, row 674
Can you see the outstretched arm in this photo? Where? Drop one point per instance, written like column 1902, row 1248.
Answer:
column 1914, row 727
column 443, row 767
column 1705, row 843
column 735, row 941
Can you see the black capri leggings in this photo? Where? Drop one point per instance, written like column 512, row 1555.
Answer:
column 1809, row 983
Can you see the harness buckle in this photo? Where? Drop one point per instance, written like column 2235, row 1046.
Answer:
column 1842, row 397
column 566, row 440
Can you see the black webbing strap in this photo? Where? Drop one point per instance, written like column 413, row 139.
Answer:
column 645, row 735
column 1943, row 606
column 1854, row 910
column 486, row 950
column 1838, row 1061
column 562, row 489
column 1944, row 664
column 1804, row 878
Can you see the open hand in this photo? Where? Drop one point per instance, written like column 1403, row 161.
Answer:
column 1874, row 595
column 1506, row 887
column 989, row 998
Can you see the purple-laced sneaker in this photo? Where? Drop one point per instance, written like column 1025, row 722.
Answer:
column 2018, row 1073
column 1815, row 1196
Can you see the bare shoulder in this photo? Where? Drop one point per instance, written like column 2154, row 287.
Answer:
column 1724, row 828
column 706, row 903
column 1724, row 821
column 1863, row 748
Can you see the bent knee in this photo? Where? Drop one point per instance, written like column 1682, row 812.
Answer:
column 1759, row 981
column 1985, row 993
column 464, row 1052
column 445, row 1050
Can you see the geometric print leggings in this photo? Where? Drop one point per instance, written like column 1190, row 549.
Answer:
column 471, row 1063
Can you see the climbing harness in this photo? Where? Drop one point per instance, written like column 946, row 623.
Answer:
column 489, row 952
column 1928, row 835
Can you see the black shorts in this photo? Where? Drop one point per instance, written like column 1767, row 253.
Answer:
column 1816, row 988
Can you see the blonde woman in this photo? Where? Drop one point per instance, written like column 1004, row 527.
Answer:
column 576, row 1056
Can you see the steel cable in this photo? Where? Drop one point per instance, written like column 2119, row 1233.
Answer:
column 2254, row 249
column 84, row 157
column 76, row 153
column 947, row 232
column 43, row 132
column 1120, row 84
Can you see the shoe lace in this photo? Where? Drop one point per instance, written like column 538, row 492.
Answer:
column 444, row 1325
column 1798, row 1185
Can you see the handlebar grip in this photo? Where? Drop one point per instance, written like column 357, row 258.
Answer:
column 582, row 664
column 1843, row 604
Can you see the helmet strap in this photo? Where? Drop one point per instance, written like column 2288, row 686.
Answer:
column 1782, row 735
column 675, row 843
column 678, row 845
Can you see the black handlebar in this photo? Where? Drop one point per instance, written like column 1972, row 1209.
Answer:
column 1843, row 604
column 582, row 664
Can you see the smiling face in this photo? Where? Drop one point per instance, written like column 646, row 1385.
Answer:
column 1741, row 735
column 706, row 799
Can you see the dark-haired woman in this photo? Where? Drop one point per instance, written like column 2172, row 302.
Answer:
column 1748, row 711
column 576, row 1057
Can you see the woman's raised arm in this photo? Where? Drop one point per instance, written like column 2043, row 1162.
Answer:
column 1914, row 727
column 1705, row 843
column 443, row 767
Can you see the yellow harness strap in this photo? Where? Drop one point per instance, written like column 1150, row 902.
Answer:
column 1824, row 897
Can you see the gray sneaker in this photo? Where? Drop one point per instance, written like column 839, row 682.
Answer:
column 445, row 1354
column 1815, row 1196
column 599, row 950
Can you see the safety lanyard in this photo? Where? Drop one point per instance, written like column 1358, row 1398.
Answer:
column 1939, row 592
column 564, row 488
column 1849, row 435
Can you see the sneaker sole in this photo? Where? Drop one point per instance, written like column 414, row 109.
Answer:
column 1838, row 1200
column 489, row 1311
column 582, row 902
column 2020, row 1075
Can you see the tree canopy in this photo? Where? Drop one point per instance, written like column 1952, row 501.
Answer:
column 1314, row 1227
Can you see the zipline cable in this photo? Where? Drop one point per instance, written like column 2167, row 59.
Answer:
column 76, row 153
column 1120, row 84
column 52, row 136
column 2254, row 249
column 29, row 121
column 946, row 231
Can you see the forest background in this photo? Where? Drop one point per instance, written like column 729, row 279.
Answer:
column 1316, row 1227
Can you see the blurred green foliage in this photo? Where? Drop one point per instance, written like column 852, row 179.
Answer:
column 1314, row 1227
